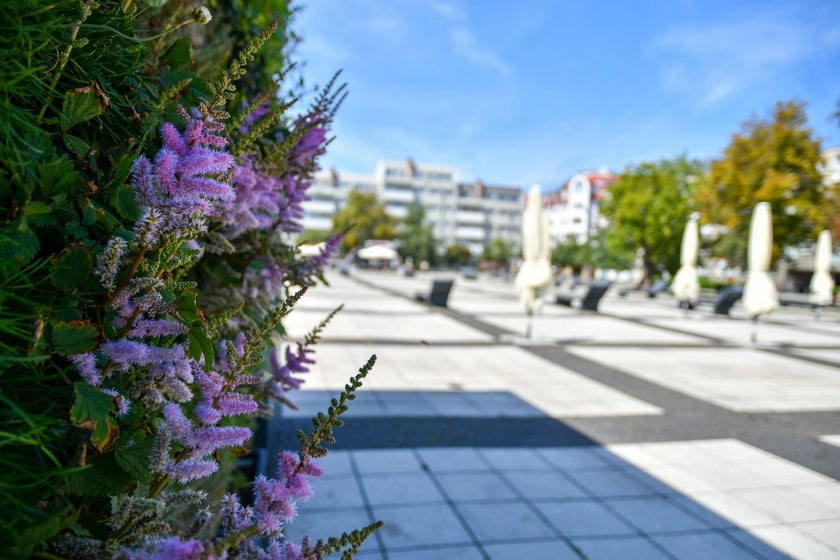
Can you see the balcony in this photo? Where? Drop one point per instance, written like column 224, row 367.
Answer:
column 470, row 233
column 470, row 218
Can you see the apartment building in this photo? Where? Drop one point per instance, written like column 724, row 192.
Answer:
column 469, row 214
column 574, row 209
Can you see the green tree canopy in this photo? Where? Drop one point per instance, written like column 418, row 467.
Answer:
column 457, row 255
column 773, row 161
column 648, row 208
column 416, row 238
column 498, row 251
column 365, row 218
column 568, row 252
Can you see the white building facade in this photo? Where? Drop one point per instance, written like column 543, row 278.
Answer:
column 574, row 210
column 469, row 214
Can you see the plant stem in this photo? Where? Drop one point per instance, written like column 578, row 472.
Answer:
column 65, row 56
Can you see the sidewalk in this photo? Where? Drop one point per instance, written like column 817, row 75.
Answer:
column 637, row 432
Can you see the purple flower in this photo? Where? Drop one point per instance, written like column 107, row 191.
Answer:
column 207, row 440
column 86, row 366
column 309, row 145
column 122, row 403
column 234, row 404
column 190, row 469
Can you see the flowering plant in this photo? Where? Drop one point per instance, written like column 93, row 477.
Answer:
column 149, row 209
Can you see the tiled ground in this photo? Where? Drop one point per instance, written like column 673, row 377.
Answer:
column 641, row 372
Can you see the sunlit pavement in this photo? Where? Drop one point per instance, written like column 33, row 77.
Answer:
column 641, row 431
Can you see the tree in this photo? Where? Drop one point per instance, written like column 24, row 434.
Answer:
column 417, row 240
column 498, row 251
column 457, row 255
column 773, row 161
column 364, row 217
column 569, row 252
column 648, row 208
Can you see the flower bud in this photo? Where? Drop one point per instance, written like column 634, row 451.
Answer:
column 202, row 15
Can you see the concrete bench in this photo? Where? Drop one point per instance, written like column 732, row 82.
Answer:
column 588, row 300
column 438, row 295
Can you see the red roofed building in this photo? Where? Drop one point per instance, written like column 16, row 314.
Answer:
column 573, row 210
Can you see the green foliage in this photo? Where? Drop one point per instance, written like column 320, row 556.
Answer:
column 648, row 208
column 569, row 252
column 776, row 161
column 498, row 252
column 364, row 217
column 416, row 238
column 84, row 88
column 457, row 255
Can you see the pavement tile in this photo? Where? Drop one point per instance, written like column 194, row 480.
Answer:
column 568, row 458
column 610, row 484
column 515, row 459
column 544, row 485
column 703, row 546
column 826, row 531
column 395, row 489
column 656, row 515
column 624, row 548
column 461, row 487
column 787, row 506
column 420, row 525
column 386, row 461
column 441, row 460
column 334, row 491
column 551, row 549
column 584, row 519
column 330, row 523
column 789, row 541
column 437, row 553
column 503, row 521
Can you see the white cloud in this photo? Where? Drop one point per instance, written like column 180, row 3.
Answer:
column 714, row 62
column 447, row 10
column 466, row 45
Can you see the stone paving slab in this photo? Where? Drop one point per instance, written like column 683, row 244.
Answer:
column 735, row 378
column 492, row 500
column 487, row 381
column 508, row 454
column 590, row 329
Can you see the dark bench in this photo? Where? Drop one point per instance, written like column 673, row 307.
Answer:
column 659, row 287
column 438, row 295
column 589, row 301
column 727, row 298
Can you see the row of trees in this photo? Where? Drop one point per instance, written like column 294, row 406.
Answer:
column 776, row 160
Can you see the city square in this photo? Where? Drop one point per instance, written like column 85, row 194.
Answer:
column 639, row 431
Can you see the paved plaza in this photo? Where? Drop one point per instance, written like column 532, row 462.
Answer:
column 638, row 432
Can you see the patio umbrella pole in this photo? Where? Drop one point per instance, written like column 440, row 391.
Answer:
column 754, row 329
column 529, row 322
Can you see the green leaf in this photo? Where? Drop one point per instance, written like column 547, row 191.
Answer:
column 57, row 176
column 179, row 54
column 35, row 207
column 72, row 268
column 76, row 145
column 200, row 344
column 74, row 338
column 125, row 203
column 135, row 459
column 81, row 105
column 187, row 307
column 92, row 411
column 18, row 243
column 102, row 477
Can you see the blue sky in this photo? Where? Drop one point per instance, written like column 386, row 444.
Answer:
column 516, row 93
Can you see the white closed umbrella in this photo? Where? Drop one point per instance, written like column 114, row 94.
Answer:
column 686, row 287
column 535, row 273
column 822, row 284
column 760, row 295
